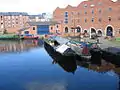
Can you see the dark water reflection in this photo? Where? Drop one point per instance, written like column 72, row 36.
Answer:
column 27, row 65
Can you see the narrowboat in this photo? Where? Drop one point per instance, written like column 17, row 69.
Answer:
column 29, row 36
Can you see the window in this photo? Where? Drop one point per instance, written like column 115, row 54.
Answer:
column 99, row 3
column 78, row 29
column 109, row 18
column 85, row 12
column 92, row 11
column 9, row 21
column 119, row 31
column 66, row 14
column 1, row 23
column 9, row 25
column 33, row 28
column 85, row 20
column 66, row 21
column 100, row 20
column 92, row 5
column 78, row 20
column 110, row 9
column 85, row 5
column 26, row 32
column 51, row 28
column 12, row 17
column 72, row 13
column 9, row 17
column 118, row 18
column 16, row 22
column 92, row 19
column 1, row 17
column 78, row 13
column 99, row 11
column 66, row 29
column 20, row 22
column 72, row 21
column 57, row 26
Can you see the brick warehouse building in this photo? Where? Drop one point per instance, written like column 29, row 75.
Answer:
column 12, row 21
column 101, row 17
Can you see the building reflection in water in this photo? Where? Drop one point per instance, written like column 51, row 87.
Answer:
column 66, row 62
column 101, row 66
column 19, row 46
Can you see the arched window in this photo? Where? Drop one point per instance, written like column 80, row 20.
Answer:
column 85, row 31
column 93, row 30
column 78, row 29
column 99, row 33
column 66, row 29
column 109, row 31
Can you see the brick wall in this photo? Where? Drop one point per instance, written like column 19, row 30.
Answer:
column 97, row 14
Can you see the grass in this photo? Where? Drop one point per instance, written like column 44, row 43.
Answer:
column 117, row 39
column 115, row 42
column 5, row 36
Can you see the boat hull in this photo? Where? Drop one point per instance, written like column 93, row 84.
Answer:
column 111, row 57
column 68, row 63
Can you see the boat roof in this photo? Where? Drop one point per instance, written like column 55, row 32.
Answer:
column 61, row 40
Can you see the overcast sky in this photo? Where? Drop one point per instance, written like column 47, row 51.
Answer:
column 34, row 6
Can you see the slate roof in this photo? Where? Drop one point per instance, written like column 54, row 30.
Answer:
column 13, row 13
column 42, row 23
column 54, row 22
column 33, row 16
column 24, row 28
column 38, row 23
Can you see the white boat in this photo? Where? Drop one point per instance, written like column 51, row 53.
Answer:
column 62, row 49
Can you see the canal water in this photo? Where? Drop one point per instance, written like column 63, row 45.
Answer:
column 28, row 65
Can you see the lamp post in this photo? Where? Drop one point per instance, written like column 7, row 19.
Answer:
column 74, row 27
